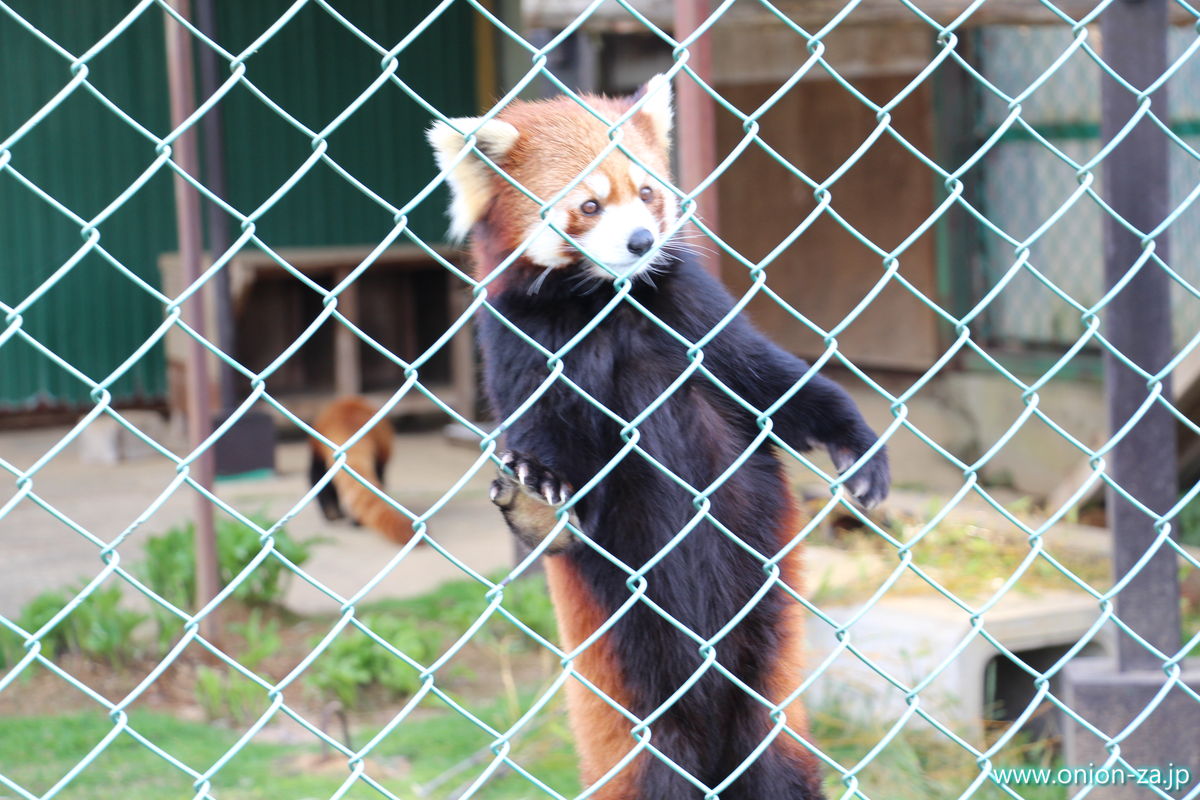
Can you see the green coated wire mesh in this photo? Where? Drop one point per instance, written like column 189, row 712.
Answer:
column 1067, row 113
column 1028, row 186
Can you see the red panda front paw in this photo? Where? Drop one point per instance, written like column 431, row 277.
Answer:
column 870, row 482
column 531, row 477
column 529, row 496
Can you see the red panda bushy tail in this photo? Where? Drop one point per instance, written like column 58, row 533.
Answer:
column 339, row 421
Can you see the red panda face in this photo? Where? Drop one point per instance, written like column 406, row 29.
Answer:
column 615, row 217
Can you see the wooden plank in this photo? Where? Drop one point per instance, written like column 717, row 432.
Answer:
column 250, row 265
column 826, row 272
column 814, row 14
column 303, row 258
column 406, row 310
column 307, row 405
column 462, row 357
column 347, row 355
column 771, row 52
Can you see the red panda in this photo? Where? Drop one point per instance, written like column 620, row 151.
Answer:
column 671, row 575
column 369, row 456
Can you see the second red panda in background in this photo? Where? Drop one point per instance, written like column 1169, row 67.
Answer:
column 369, row 456
column 673, row 657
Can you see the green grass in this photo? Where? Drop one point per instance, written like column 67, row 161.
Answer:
column 919, row 764
column 424, row 628
column 970, row 561
column 447, row 752
column 437, row 754
column 36, row 752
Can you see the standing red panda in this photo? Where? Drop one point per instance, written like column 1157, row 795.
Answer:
column 369, row 456
column 707, row 689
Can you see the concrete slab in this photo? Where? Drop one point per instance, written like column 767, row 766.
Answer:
column 914, row 638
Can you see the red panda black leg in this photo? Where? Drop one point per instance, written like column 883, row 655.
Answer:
column 529, row 496
column 328, row 496
column 870, row 483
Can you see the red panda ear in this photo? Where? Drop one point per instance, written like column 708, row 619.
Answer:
column 470, row 179
column 656, row 107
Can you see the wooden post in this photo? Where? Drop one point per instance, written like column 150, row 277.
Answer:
column 347, row 361
column 462, row 355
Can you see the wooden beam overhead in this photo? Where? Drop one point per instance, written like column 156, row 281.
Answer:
column 812, row 15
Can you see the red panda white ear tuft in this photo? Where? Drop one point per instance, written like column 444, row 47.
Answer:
column 470, row 179
column 657, row 107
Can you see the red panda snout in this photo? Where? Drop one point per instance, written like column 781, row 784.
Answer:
column 640, row 241
column 621, row 239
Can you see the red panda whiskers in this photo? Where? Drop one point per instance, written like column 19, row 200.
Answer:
column 539, row 280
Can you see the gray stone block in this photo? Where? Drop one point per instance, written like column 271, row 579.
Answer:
column 1168, row 739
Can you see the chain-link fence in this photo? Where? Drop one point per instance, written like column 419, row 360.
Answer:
column 890, row 190
column 1066, row 111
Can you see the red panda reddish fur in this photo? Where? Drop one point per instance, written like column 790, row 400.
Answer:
column 617, row 355
column 340, row 420
column 601, row 732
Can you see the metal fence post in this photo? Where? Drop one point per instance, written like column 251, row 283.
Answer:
column 187, row 220
column 1137, row 324
column 696, row 121
column 216, row 218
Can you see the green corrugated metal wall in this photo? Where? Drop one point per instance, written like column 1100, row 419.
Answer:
column 84, row 157
column 315, row 68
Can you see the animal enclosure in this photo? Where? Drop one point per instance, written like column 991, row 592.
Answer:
column 980, row 218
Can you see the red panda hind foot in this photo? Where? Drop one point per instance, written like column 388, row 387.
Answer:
column 530, row 496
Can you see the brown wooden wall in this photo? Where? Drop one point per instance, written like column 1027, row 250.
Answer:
column 826, row 272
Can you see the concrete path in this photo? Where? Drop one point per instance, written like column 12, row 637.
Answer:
column 38, row 552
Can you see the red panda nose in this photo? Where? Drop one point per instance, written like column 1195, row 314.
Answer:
column 640, row 241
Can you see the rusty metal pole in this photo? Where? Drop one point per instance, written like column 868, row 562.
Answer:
column 181, row 87
column 218, row 221
column 696, row 122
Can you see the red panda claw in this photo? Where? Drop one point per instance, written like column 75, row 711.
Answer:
column 501, row 492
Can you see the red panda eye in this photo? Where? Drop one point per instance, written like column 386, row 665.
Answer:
column 590, row 207
column 646, row 193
